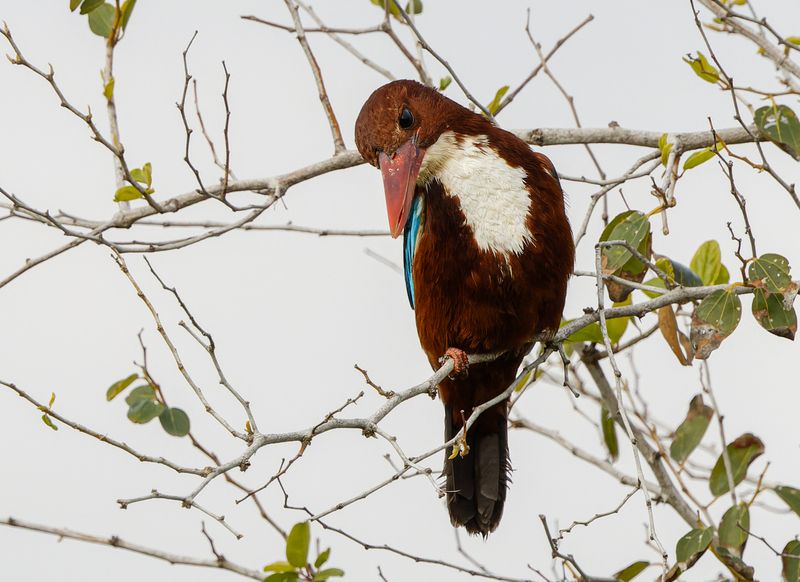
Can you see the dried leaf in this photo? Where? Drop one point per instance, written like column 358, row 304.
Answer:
column 668, row 324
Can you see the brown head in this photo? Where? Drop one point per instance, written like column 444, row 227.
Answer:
column 398, row 122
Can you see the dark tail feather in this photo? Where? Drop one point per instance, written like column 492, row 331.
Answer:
column 476, row 483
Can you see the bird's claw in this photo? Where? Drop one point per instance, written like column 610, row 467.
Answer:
column 460, row 362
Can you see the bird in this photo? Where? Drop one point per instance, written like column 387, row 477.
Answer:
column 487, row 253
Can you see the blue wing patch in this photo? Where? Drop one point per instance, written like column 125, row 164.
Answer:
column 410, row 240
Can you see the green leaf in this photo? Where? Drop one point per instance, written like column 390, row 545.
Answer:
column 108, row 90
column 143, row 411
column 393, row 9
column 791, row 561
column 590, row 333
column 297, row 544
column 733, row 529
column 444, row 82
column 46, row 419
column 693, row 544
column 127, row 10
column 714, row 320
column 145, row 392
column 117, row 387
column 101, row 20
column 322, row 558
column 666, row 265
column 279, row 567
column 522, row 382
column 793, row 40
column 325, row 574
column 724, row 276
column 700, row 157
column 654, row 282
column 770, row 271
column 609, row 433
column 414, row 7
column 127, row 193
column 632, row 227
column 677, row 272
column 616, row 326
column 734, row 563
column 771, row 314
column 52, row 400
column 685, row 276
column 664, row 147
column 174, row 421
column 283, row 577
column 690, row 432
column 89, row 5
column 721, row 308
column 780, row 124
column 629, row 573
column 790, row 496
column 148, row 173
column 702, row 67
column 743, row 451
column 73, row 4
column 706, row 262
column 495, row 104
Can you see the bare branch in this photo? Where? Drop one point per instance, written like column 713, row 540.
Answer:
column 116, row 542
column 338, row 142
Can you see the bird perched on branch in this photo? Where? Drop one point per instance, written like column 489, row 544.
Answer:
column 487, row 252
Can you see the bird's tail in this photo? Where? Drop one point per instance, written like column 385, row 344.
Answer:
column 476, row 482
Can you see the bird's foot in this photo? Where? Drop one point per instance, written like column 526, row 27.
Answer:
column 460, row 362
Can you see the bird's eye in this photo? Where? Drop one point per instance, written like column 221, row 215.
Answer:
column 406, row 118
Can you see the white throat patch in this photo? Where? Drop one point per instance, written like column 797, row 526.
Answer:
column 491, row 193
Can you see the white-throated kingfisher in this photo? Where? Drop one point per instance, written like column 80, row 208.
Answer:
column 487, row 253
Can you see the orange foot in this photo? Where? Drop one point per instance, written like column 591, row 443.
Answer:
column 460, row 362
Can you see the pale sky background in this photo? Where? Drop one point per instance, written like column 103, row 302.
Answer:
column 292, row 313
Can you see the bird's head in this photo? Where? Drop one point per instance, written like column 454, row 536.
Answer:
column 397, row 124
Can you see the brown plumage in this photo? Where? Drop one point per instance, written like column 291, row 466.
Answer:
column 469, row 291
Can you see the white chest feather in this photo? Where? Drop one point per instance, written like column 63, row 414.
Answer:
column 492, row 194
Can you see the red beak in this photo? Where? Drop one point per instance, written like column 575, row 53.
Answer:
column 400, row 171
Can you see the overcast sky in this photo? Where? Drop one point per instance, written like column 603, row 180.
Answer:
column 293, row 313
